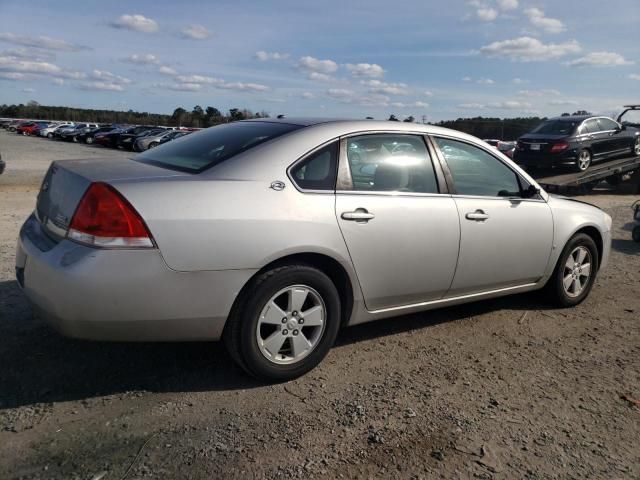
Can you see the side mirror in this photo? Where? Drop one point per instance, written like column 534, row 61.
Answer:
column 531, row 192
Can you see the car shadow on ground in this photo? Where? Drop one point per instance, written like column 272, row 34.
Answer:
column 37, row 365
column 626, row 246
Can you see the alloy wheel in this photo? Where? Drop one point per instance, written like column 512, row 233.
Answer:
column 291, row 324
column 577, row 271
column 636, row 147
column 584, row 160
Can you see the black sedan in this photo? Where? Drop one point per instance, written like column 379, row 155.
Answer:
column 88, row 135
column 576, row 141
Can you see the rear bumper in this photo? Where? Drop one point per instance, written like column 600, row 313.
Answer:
column 122, row 295
column 542, row 160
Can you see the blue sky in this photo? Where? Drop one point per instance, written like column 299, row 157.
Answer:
column 439, row 59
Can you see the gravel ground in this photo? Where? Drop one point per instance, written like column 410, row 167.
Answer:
column 506, row 388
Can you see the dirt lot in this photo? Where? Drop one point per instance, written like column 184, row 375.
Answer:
column 506, row 388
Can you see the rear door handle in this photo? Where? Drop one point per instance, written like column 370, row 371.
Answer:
column 478, row 216
column 360, row 215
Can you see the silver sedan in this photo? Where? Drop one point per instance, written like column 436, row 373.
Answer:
column 274, row 234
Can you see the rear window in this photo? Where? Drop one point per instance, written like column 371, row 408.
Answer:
column 556, row 127
column 207, row 148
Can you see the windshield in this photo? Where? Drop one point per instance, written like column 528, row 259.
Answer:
column 204, row 149
column 556, row 127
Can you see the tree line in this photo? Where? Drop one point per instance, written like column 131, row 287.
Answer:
column 482, row 127
column 197, row 117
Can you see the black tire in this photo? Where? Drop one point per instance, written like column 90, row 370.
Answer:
column 583, row 168
column 240, row 331
column 635, row 233
column 49, row 136
column 555, row 285
column 614, row 180
column 635, row 147
column 153, row 145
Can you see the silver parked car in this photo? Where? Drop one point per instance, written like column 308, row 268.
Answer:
column 274, row 234
column 146, row 142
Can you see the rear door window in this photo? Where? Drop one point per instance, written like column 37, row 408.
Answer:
column 591, row 126
column 607, row 124
column 391, row 163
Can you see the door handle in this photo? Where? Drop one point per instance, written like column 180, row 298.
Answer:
column 478, row 216
column 360, row 215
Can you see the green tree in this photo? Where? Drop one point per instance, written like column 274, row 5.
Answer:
column 393, row 118
column 409, row 119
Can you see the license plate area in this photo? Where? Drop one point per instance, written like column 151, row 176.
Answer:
column 535, row 146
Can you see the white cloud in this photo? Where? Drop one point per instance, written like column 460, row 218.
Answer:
column 17, row 65
column 136, row 22
column 308, row 95
column 519, row 81
column 370, row 70
column 538, row 20
column 508, row 4
column 199, row 79
column 600, row 59
column 28, row 90
column 320, row 77
column 196, row 32
column 416, row 104
column 471, row 106
column 244, row 87
column 29, row 53
column 265, row 56
column 165, row 70
column 545, row 92
column 562, row 102
column 634, row 76
column 376, row 86
column 142, row 59
column 47, row 43
column 510, row 105
column 485, row 81
column 180, row 86
column 311, row 64
column 340, row 93
column 58, row 81
column 104, row 76
column 528, row 49
column 487, row 14
column 466, row 79
column 14, row 76
column 427, row 93
column 101, row 86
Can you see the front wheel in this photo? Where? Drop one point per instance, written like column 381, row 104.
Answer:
column 153, row 145
column 584, row 160
column 49, row 135
column 284, row 323
column 88, row 140
column 575, row 271
column 635, row 149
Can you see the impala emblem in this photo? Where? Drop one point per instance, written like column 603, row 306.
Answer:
column 277, row 185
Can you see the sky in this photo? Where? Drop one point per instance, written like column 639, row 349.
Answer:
column 433, row 60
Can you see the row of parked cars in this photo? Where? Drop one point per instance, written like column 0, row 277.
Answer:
column 137, row 138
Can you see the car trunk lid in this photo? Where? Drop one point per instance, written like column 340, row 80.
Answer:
column 66, row 182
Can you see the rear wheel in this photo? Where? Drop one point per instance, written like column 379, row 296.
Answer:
column 153, row 145
column 285, row 322
column 584, row 160
column 88, row 140
column 49, row 135
column 575, row 271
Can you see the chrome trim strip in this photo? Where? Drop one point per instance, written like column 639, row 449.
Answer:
column 451, row 299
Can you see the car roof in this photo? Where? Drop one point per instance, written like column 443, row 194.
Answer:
column 574, row 118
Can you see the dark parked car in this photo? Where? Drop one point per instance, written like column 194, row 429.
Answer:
column 576, row 141
column 70, row 134
column 88, row 135
column 113, row 138
column 128, row 140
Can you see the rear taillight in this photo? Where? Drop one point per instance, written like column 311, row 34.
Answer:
column 519, row 145
column 104, row 218
column 559, row 147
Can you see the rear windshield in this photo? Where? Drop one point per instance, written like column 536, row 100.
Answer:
column 556, row 127
column 201, row 150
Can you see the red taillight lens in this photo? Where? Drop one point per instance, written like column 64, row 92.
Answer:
column 105, row 218
column 558, row 147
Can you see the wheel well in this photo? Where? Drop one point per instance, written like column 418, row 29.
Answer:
column 594, row 233
column 330, row 267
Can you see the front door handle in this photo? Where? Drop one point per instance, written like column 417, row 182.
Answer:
column 360, row 215
column 478, row 216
